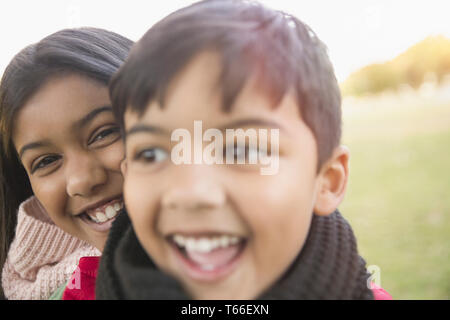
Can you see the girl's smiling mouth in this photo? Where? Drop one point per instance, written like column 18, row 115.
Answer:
column 208, row 257
column 100, row 217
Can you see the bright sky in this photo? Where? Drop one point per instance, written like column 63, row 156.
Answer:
column 357, row 32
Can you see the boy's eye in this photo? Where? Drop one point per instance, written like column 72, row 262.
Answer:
column 45, row 162
column 108, row 134
column 242, row 151
column 245, row 153
column 151, row 155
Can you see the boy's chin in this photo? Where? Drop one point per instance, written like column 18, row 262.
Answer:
column 215, row 295
column 229, row 291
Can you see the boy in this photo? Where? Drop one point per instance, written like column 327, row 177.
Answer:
column 227, row 231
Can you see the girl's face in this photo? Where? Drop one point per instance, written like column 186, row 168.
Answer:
column 70, row 145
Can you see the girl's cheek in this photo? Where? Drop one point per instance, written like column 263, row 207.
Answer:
column 51, row 193
column 113, row 155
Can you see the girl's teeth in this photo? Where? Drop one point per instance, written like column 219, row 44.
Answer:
column 101, row 217
column 110, row 212
column 205, row 244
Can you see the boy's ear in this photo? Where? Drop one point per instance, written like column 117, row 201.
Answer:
column 332, row 182
column 123, row 166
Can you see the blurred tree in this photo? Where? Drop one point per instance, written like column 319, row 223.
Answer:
column 430, row 56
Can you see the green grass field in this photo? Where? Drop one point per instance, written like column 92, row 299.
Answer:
column 398, row 197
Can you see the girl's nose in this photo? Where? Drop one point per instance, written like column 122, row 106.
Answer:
column 84, row 174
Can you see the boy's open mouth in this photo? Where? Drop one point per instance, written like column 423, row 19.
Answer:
column 208, row 257
column 101, row 218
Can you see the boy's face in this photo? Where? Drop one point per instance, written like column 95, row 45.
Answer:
column 224, row 231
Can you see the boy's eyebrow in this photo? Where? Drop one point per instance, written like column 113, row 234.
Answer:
column 91, row 115
column 147, row 129
column 251, row 122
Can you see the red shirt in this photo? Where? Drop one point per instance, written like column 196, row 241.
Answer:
column 379, row 293
column 81, row 285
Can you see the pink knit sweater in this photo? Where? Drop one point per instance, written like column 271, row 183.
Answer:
column 42, row 257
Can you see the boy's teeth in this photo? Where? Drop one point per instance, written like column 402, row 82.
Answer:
column 234, row 240
column 180, row 240
column 208, row 267
column 224, row 241
column 205, row 244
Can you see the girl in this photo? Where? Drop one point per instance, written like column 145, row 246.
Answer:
column 61, row 149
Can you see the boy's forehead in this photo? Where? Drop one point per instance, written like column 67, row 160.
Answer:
column 196, row 93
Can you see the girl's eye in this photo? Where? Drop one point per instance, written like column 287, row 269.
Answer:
column 45, row 162
column 110, row 133
column 151, row 155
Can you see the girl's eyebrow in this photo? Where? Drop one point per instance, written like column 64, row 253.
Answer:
column 91, row 115
column 32, row 145
column 80, row 123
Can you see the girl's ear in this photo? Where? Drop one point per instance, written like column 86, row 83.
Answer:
column 332, row 182
column 123, row 166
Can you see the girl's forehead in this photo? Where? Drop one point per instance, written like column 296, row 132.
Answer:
column 60, row 103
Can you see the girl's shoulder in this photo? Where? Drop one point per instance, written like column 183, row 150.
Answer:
column 41, row 256
column 38, row 241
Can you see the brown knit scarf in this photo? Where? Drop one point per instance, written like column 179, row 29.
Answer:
column 328, row 267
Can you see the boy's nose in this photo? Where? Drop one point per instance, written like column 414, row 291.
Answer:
column 83, row 175
column 194, row 190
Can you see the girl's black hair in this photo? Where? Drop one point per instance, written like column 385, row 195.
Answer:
column 90, row 52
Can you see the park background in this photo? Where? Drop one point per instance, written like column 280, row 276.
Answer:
column 392, row 60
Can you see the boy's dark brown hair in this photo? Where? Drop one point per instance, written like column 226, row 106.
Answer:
column 252, row 40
